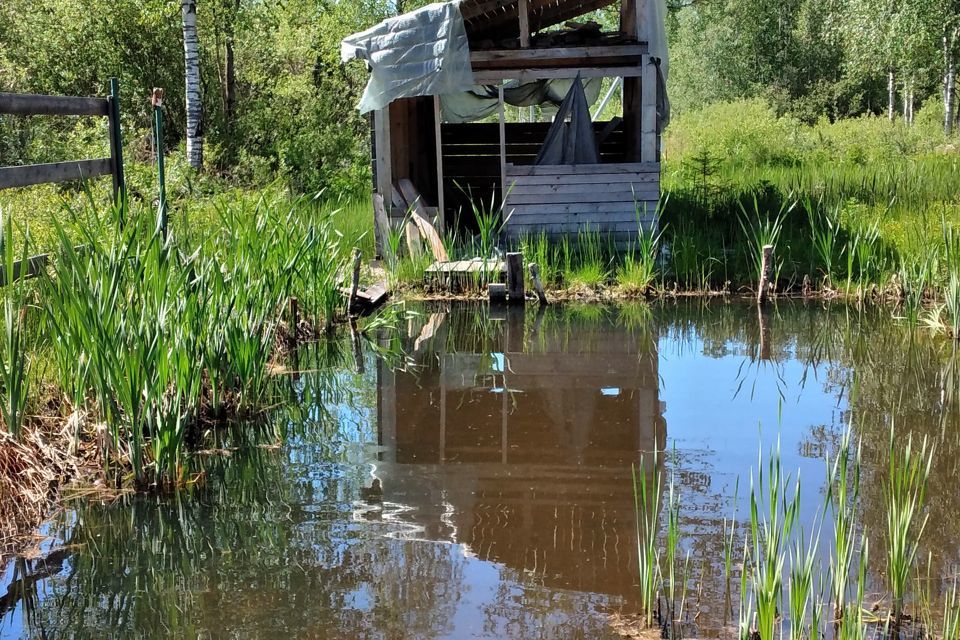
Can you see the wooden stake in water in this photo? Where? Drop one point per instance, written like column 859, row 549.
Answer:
column 355, row 282
column 537, row 284
column 766, row 274
column 515, row 286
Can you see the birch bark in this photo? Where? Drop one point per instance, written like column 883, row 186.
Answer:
column 194, row 106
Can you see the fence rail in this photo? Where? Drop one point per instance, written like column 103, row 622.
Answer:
column 24, row 104
column 25, row 175
column 18, row 104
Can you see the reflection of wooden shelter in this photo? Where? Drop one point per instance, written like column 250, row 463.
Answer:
column 525, row 451
column 451, row 164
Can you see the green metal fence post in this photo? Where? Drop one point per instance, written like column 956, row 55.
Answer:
column 157, row 101
column 116, row 149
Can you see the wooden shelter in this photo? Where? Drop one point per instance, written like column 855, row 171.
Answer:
column 452, row 164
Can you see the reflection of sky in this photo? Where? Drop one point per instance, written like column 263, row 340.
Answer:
column 723, row 411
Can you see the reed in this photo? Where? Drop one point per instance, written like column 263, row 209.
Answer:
column 843, row 492
column 638, row 272
column 646, row 501
column 761, row 229
column 951, row 615
column 904, row 491
column 14, row 361
column 770, row 533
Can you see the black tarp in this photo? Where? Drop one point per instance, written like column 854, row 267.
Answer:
column 571, row 139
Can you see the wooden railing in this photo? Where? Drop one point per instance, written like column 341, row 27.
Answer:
column 41, row 105
column 85, row 169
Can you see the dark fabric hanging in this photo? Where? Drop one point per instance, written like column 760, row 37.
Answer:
column 571, row 139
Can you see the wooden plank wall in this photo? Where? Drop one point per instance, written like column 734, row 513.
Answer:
column 471, row 159
column 412, row 147
column 558, row 200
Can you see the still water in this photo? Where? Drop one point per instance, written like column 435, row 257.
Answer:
column 479, row 486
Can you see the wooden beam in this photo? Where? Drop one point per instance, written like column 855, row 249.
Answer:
column 503, row 141
column 648, row 111
column 557, row 57
column 524, row 15
column 437, row 131
column 26, row 175
column 19, row 104
column 628, row 19
column 381, row 132
column 493, row 76
column 581, row 169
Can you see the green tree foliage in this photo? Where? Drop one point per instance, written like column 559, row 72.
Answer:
column 813, row 58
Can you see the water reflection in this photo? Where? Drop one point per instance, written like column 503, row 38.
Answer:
column 480, row 486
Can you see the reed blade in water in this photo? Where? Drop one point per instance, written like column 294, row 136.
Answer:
column 646, row 500
column 904, row 492
column 770, row 531
column 843, row 492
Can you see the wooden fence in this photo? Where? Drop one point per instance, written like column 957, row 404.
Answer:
column 31, row 174
column 41, row 105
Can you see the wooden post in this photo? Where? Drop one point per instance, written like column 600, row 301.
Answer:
column 537, row 285
column 524, row 15
column 437, row 119
column 381, row 132
column 294, row 313
column 648, row 111
column 764, row 322
column 294, row 317
column 515, row 287
column 381, row 228
column 355, row 282
column 116, row 146
column 503, row 147
column 766, row 274
column 497, row 292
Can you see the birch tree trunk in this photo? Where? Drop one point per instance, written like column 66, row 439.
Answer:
column 191, row 57
column 910, row 103
column 949, row 80
column 891, row 95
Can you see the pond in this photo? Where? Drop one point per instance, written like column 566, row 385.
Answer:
column 481, row 484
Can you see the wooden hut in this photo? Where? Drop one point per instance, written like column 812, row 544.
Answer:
column 452, row 165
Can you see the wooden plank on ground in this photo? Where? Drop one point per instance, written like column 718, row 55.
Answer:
column 419, row 216
column 37, row 105
column 26, row 269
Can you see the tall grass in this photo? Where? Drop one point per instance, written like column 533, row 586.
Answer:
column 773, row 514
column 783, row 580
column 150, row 335
column 904, row 493
column 14, row 361
column 646, row 500
column 843, row 492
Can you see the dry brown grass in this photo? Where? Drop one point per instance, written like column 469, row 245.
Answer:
column 32, row 470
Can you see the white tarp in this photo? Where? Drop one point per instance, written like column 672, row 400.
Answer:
column 421, row 53
column 484, row 100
